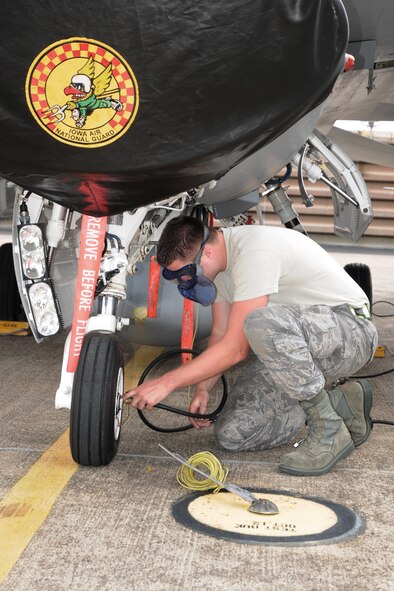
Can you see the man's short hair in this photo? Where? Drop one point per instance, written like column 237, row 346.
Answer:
column 180, row 239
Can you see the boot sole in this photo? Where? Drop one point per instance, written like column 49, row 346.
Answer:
column 341, row 456
column 367, row 390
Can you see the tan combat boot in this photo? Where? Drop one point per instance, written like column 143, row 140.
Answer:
column 353, row 402
column 328, row 440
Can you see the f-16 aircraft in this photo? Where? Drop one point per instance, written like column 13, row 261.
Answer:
column 116, row 119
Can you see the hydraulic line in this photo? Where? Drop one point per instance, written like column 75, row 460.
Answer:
column 279, row 180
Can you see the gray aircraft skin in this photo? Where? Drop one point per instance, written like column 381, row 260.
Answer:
column 365, row 93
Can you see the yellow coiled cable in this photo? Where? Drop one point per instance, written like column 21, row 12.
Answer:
column 207, row 462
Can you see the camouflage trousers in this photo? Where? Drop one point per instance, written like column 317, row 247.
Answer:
column 298, row 351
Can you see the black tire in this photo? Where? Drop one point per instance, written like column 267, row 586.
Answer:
column 10, row 302
column 97, row 401
column 362, row 275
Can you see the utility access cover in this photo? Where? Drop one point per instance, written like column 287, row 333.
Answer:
column 301, row 520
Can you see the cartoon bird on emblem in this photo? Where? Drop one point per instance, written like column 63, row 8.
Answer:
column 87, row 92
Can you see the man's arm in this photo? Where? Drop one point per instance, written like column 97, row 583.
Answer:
column 232, row 348
column 199, row 402
column 220, row 317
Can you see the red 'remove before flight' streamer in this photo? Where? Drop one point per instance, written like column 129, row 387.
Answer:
column 91, row 246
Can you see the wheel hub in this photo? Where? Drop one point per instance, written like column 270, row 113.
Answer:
column 118, row 403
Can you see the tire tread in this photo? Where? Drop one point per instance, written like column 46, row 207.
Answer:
column 91, row 419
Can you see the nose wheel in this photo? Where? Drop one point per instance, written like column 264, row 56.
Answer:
column 97, row 401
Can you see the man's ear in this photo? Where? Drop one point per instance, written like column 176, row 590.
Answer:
column 207, row 251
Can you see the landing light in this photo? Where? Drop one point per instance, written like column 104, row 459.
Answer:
column 33, row 257
column 44, row 309
column 32, row 251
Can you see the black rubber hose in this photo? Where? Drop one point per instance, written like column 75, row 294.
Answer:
column 372, row 375
column 211, row 416
column 382, row 422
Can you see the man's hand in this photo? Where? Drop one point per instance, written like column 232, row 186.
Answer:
column 199, row 404
column 145, row 397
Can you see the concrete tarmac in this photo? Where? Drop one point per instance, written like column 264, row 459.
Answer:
column 111, row 528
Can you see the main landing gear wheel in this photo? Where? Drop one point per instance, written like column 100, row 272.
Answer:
column 97, row 401
column 362, row 275
column 10, row 302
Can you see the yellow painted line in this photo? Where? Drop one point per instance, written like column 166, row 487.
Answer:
column 24, row 509
column 137, row 364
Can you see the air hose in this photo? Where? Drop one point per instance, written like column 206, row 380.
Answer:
column 211, row 416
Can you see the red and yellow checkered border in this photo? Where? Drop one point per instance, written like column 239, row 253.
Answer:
column 83, row 47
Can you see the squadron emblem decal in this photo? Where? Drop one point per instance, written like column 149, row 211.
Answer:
column 82, row 92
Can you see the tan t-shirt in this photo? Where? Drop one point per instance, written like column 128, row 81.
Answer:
column 284, row 264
